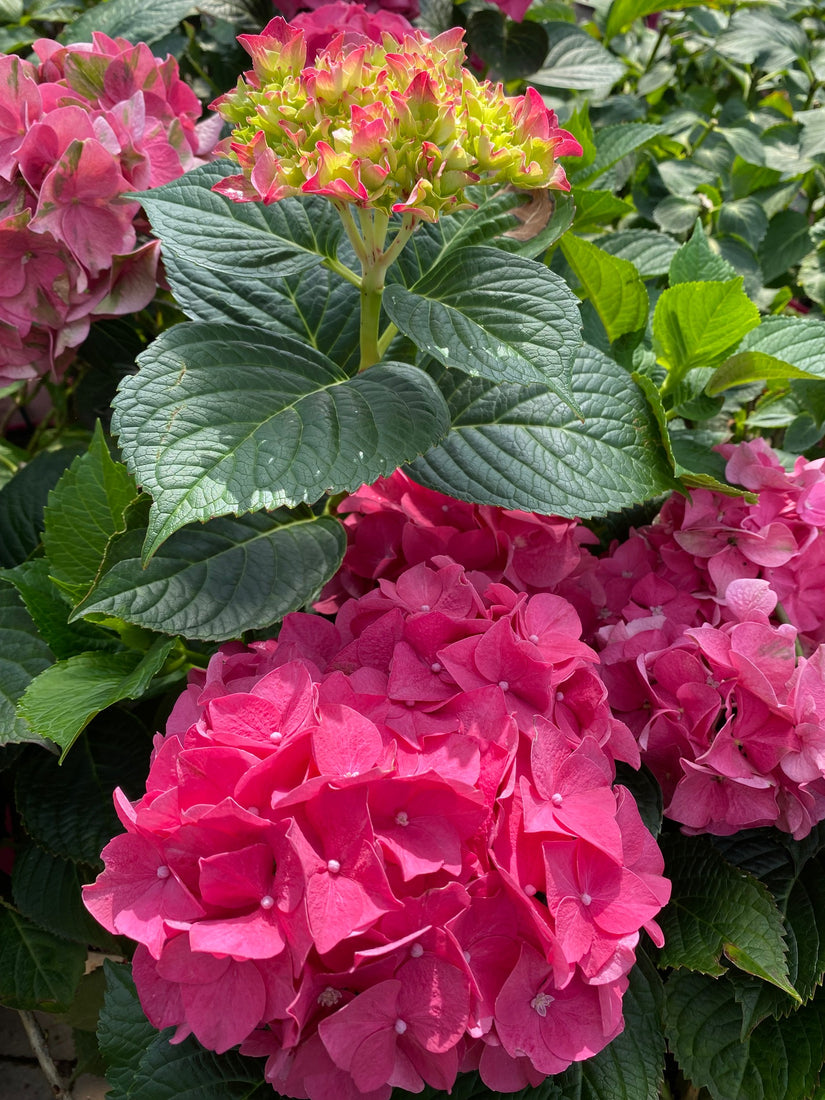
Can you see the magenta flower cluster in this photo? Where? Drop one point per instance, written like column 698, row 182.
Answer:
column 387, row 848
column 79, row 130
column 711, row 646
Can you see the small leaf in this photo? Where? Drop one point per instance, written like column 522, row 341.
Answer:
column 613, row 143
column 242, row 239
column 745, row 218
column 505, row 318
column 614, row 286
column 84, row 510
column 716, row 908
column 520, row 447
column 38, row 970
column 23, row 655
column 22, row 501
column 60, row 702
column 700, row 325
column 594, row 208
column 795, row 340
column 138, row 20
column 223, row 419
column 217, row 581
column 695, row 261
column 753, row 366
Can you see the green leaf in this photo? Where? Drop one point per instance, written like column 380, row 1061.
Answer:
column 716, row 908
column 142, row 1065
column 613, row 143
column 22, row 501
column 223, row 419
column 700, row 325
column 84, row 510
column 594, row 208
column 613, row 285
column 753, row 366
column 624, row 12
column 576, row 60
column 519, row 447
column 649, row 252
column 138, row 20
column 37, row 969
column 217, row 581
column 795, row 340
column 745, row 218
column 240, row 238
column 317, row 306
column 787, row 241
column 67, row 808
column 60, row 702
column 695, row 261
column 505, row 318
column 676, row 215
column 760, row 39
column 779, row 1060
column 511, row 50
column 46, row 890
column 50, row 611
column 23, row 655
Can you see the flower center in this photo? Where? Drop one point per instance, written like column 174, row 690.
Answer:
column 540, row 1003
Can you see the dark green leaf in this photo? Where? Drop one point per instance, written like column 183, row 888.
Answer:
column 37, row 969
column 511, row 50
column 786, row 242
column 612, row 144
column 759, row 38
column 137, row 20
column 60, row 702
column 248, row 420
column 614, row 286
column 84, row 510
column 743, row 218
column 646, row 791
column 520, row 447
column 240, row 238
column 676, row 215
column 46, row 890
column 716, row 908
column 67, row 808
column 217, row 581
column 23, row 655
column 779, row 1060
column 22, row 501
column 144, row 1066
column 504, row 318
column 696, row 261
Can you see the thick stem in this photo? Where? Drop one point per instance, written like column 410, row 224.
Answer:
column 372, row 289
column 38, row 1044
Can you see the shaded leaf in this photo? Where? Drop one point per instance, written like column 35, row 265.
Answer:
column 22, row 501
column 23, row 655
column 38, row 970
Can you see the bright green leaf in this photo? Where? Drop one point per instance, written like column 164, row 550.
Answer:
column 84, row 510
column 38, row 970
column 501, row 317
column 649, row 252
column 624, row 12
column 700, row 325
column 695, row 261
column 223, row 419
column 217, row 581
column 614, row 286
column 753, row 366
column 60, row 702
column 521, row 447
column 795, row 340
column 598, row 207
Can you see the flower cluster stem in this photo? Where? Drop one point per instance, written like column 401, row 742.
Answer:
column 38, row 1044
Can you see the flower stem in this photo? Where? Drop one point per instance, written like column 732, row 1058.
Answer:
column 37, row 1039
column 372, row 288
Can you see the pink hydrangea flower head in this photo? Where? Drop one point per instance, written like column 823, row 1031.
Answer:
column 398, row 126
column 370, row 836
